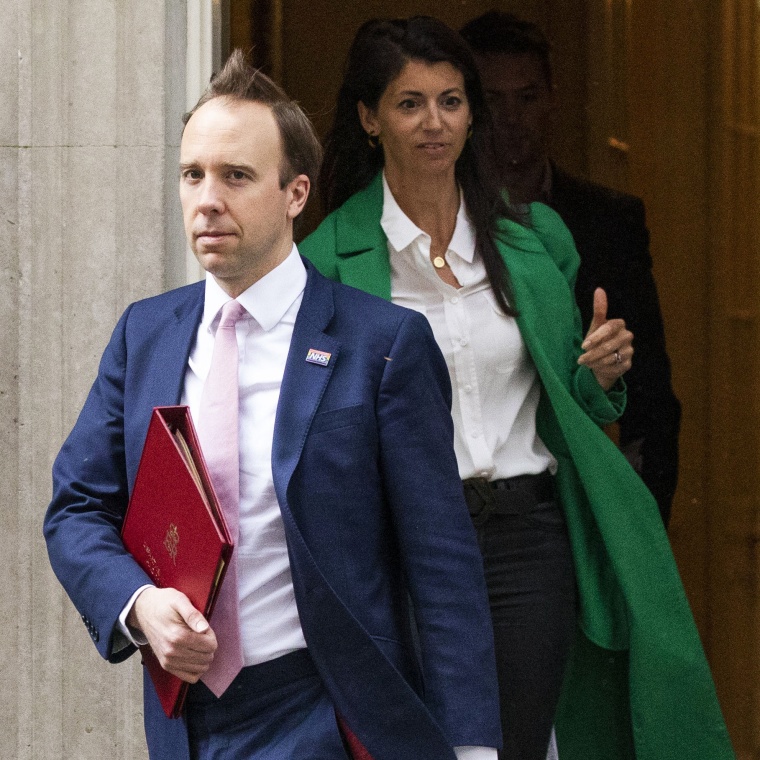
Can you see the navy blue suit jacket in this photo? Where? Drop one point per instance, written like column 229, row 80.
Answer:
column 367, row 481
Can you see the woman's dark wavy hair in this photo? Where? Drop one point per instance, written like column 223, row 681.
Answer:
column 378, row 53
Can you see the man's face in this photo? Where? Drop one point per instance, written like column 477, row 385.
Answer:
column 238, row 220
column 522, row 104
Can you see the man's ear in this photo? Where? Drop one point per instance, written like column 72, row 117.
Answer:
column 298, row 193
column 368, row 119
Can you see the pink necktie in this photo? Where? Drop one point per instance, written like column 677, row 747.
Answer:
column 218, row 432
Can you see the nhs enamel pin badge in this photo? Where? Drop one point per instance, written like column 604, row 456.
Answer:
column 318, row 357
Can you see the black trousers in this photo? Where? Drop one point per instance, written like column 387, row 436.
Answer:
column 531, row 586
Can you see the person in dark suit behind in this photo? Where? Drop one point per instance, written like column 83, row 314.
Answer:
column 350, row 504
column 608, row 227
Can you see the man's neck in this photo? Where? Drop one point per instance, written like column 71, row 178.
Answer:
column 525, row 184
column 238, row 281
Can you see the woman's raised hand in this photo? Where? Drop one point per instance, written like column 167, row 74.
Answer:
column 608, row 346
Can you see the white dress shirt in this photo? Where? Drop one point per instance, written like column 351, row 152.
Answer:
column 494, row 381
column 269, row 622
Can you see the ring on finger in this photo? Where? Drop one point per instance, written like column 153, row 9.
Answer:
column 618, row 358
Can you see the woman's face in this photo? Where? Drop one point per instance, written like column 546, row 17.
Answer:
column 422, row 119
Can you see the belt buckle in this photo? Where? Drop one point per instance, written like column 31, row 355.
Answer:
column 488, row 501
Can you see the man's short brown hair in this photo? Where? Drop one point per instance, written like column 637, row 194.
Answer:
column 238, row 80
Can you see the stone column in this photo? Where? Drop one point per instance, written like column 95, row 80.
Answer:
column 92, row 92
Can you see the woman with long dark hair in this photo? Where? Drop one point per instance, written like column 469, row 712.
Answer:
column 571, row 539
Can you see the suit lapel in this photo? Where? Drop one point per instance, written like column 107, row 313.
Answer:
column 304, row 382
column 173, row 346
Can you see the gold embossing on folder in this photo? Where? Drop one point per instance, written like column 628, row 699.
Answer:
column 171, row 542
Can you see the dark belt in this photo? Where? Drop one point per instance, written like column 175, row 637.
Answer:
column 509, row 496
column 265, row 677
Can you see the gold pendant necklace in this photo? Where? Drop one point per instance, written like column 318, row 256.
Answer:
column 439, row 262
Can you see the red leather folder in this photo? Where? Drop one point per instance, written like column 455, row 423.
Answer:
column 175, row 529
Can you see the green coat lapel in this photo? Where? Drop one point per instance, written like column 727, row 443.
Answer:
column 360, row 244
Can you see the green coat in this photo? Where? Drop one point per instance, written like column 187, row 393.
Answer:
column 638, row 677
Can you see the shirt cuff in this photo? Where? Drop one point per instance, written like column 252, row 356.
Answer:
column 475, row 753
column 132, row 636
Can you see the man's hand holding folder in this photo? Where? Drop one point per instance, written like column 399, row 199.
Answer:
column 178, row 634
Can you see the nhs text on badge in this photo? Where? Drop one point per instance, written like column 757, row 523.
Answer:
column 318, row 357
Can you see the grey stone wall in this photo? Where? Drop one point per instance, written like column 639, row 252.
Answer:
column 91, row 95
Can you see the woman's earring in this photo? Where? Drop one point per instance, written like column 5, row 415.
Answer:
column 374, row 141
column 469, row 132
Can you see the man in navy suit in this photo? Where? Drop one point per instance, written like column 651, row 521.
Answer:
column 352, row 519
column 608, row 227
